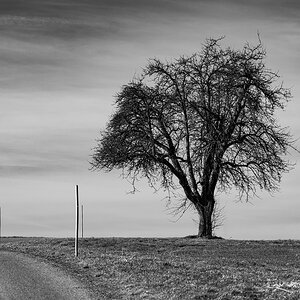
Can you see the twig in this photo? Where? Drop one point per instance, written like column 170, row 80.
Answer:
column 279, row 288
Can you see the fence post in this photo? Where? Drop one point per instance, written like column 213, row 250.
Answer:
column 76, row 220
column 82, row 221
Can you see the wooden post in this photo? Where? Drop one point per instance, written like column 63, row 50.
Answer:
column 82, row 221
column 76, row 220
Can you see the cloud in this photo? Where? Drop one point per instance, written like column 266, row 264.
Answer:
column 21, row 170
column 37, row 29
column 69, row 20
column 46, row 150
column 55, row 43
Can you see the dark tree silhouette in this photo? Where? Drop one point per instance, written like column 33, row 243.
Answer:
column 206, row 120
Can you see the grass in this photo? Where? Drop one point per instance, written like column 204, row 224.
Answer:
column 174, row 268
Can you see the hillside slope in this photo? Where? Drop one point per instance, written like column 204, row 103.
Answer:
column 174, row 268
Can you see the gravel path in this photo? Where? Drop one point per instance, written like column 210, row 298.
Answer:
column 22, row 277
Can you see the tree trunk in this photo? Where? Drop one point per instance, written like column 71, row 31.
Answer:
column 205, row 220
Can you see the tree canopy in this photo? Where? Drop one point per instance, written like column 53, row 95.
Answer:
column 206, row 120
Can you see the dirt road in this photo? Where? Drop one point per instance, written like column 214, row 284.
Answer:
column 22, row 277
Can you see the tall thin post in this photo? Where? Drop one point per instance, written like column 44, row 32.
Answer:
column 0, row 222
column 81, row 221
column 76, row 220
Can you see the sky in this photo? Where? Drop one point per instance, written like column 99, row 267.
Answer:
column 62, row 63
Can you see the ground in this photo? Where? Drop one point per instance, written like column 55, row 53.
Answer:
column 174, row 268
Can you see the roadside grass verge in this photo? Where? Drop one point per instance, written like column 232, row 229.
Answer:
column 174, row 268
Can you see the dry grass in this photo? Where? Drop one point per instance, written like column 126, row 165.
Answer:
column 175, row 268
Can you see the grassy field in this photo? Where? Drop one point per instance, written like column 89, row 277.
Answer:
column 174, row 268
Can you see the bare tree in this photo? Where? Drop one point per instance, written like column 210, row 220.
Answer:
column 206, row 120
